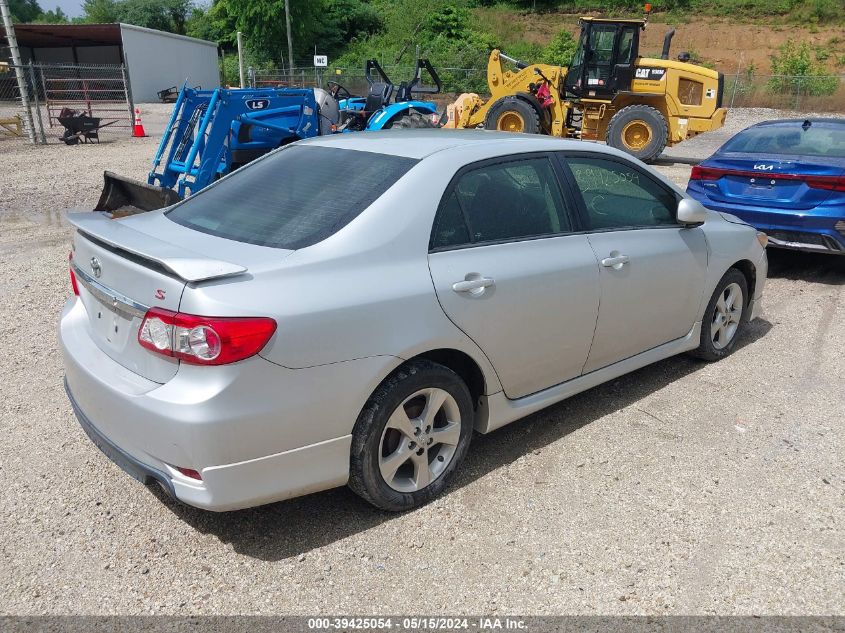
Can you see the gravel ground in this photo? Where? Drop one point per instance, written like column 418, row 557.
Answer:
column 681, row 488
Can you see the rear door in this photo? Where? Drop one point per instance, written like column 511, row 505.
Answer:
column 509, row 271
column 652, row 269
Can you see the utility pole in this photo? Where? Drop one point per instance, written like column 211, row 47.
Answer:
column 290, row 39
column 16, row 60
column 240, row 59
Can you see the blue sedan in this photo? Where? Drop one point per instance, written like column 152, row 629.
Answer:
column 786, row 178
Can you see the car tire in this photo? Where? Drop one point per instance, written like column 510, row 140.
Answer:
column 512, row 114
column 724, row 320
column 639, row 130
column 414, row 455
column 410, row 121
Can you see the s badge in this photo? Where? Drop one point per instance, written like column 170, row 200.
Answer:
column 160, row 294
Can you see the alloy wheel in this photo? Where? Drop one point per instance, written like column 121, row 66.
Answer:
column 726, row 316
column 419, row 440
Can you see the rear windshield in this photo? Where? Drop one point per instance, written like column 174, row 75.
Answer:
column 294, row 198
column 817, row 140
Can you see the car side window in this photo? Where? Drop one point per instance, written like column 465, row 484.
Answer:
column 450, row 228
column 617, row 195
column 503, row 201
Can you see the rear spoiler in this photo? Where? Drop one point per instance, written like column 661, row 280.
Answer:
column 183, row 263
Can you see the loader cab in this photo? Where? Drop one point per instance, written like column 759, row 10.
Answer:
column 603, row 64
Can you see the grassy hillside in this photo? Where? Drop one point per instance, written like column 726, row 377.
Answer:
column 729, row 35
column 724, row 43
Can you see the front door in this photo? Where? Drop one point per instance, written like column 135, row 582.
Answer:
column 509, row 272
column 652, row 269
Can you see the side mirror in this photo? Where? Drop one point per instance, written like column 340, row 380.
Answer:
column 691, row 212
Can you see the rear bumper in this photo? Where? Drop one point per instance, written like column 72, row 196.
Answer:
column 811, row 242
column 233, row 486
column 255, row 431
column 811, row 230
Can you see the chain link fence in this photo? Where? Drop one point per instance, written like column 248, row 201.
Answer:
column 65, row 103
column 820, row 93
column 454, row 79
column 825, row 93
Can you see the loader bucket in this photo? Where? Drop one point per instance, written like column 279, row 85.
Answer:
column 124, row 196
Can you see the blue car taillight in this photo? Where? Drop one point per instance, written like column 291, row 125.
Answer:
column 829, row 183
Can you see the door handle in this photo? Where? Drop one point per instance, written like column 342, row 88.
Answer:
column 472, row 285
column 616, row 261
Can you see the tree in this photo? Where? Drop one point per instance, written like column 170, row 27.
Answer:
column 329, row 24
column 100, row 11
column 201, row 25
column 24, row 10
column 52, row 17
column 164, row 15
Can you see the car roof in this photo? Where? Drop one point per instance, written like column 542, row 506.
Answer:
column 799, row 122
column 421, row 143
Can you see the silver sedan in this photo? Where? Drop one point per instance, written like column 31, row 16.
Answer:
column 350, row 309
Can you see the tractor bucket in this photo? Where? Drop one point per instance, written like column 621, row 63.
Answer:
column 124, row 196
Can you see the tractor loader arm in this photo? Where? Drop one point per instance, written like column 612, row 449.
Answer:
column 519, row 84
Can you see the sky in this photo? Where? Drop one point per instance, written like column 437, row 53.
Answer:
column 73, row 8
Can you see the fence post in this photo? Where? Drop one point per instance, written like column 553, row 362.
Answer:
column 127, row 91
column 798, row 95
column 37, row 106
column 16, row 62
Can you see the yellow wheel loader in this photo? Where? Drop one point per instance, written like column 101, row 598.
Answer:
column 636, row 104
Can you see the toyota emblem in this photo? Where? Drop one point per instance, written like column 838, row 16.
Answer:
column 95, row 267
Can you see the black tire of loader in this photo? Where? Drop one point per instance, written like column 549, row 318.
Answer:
column 649, row 116
column 528, row 113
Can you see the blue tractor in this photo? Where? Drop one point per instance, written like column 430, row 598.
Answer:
column 213, row 132
column 376, row 112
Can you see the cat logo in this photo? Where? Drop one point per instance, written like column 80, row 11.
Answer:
column 654, row 74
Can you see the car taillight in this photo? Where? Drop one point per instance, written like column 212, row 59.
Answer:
column 204, row 340
column 831, row 183
column 706, row 173
column 72, row 275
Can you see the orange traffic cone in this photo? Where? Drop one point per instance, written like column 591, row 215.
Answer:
column 138, row 131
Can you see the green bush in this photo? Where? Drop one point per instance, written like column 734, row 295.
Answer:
column 799, row 73
column 560, row 50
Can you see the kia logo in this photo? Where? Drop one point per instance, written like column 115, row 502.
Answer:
column 764, row 167
column 96, row 268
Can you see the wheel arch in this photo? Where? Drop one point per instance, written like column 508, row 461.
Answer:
column 749, row 271
column 465, row 366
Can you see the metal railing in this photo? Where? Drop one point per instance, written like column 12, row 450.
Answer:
column 100, row 92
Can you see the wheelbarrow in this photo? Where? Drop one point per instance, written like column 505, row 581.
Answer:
column 168, row 95
column 80, row 127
